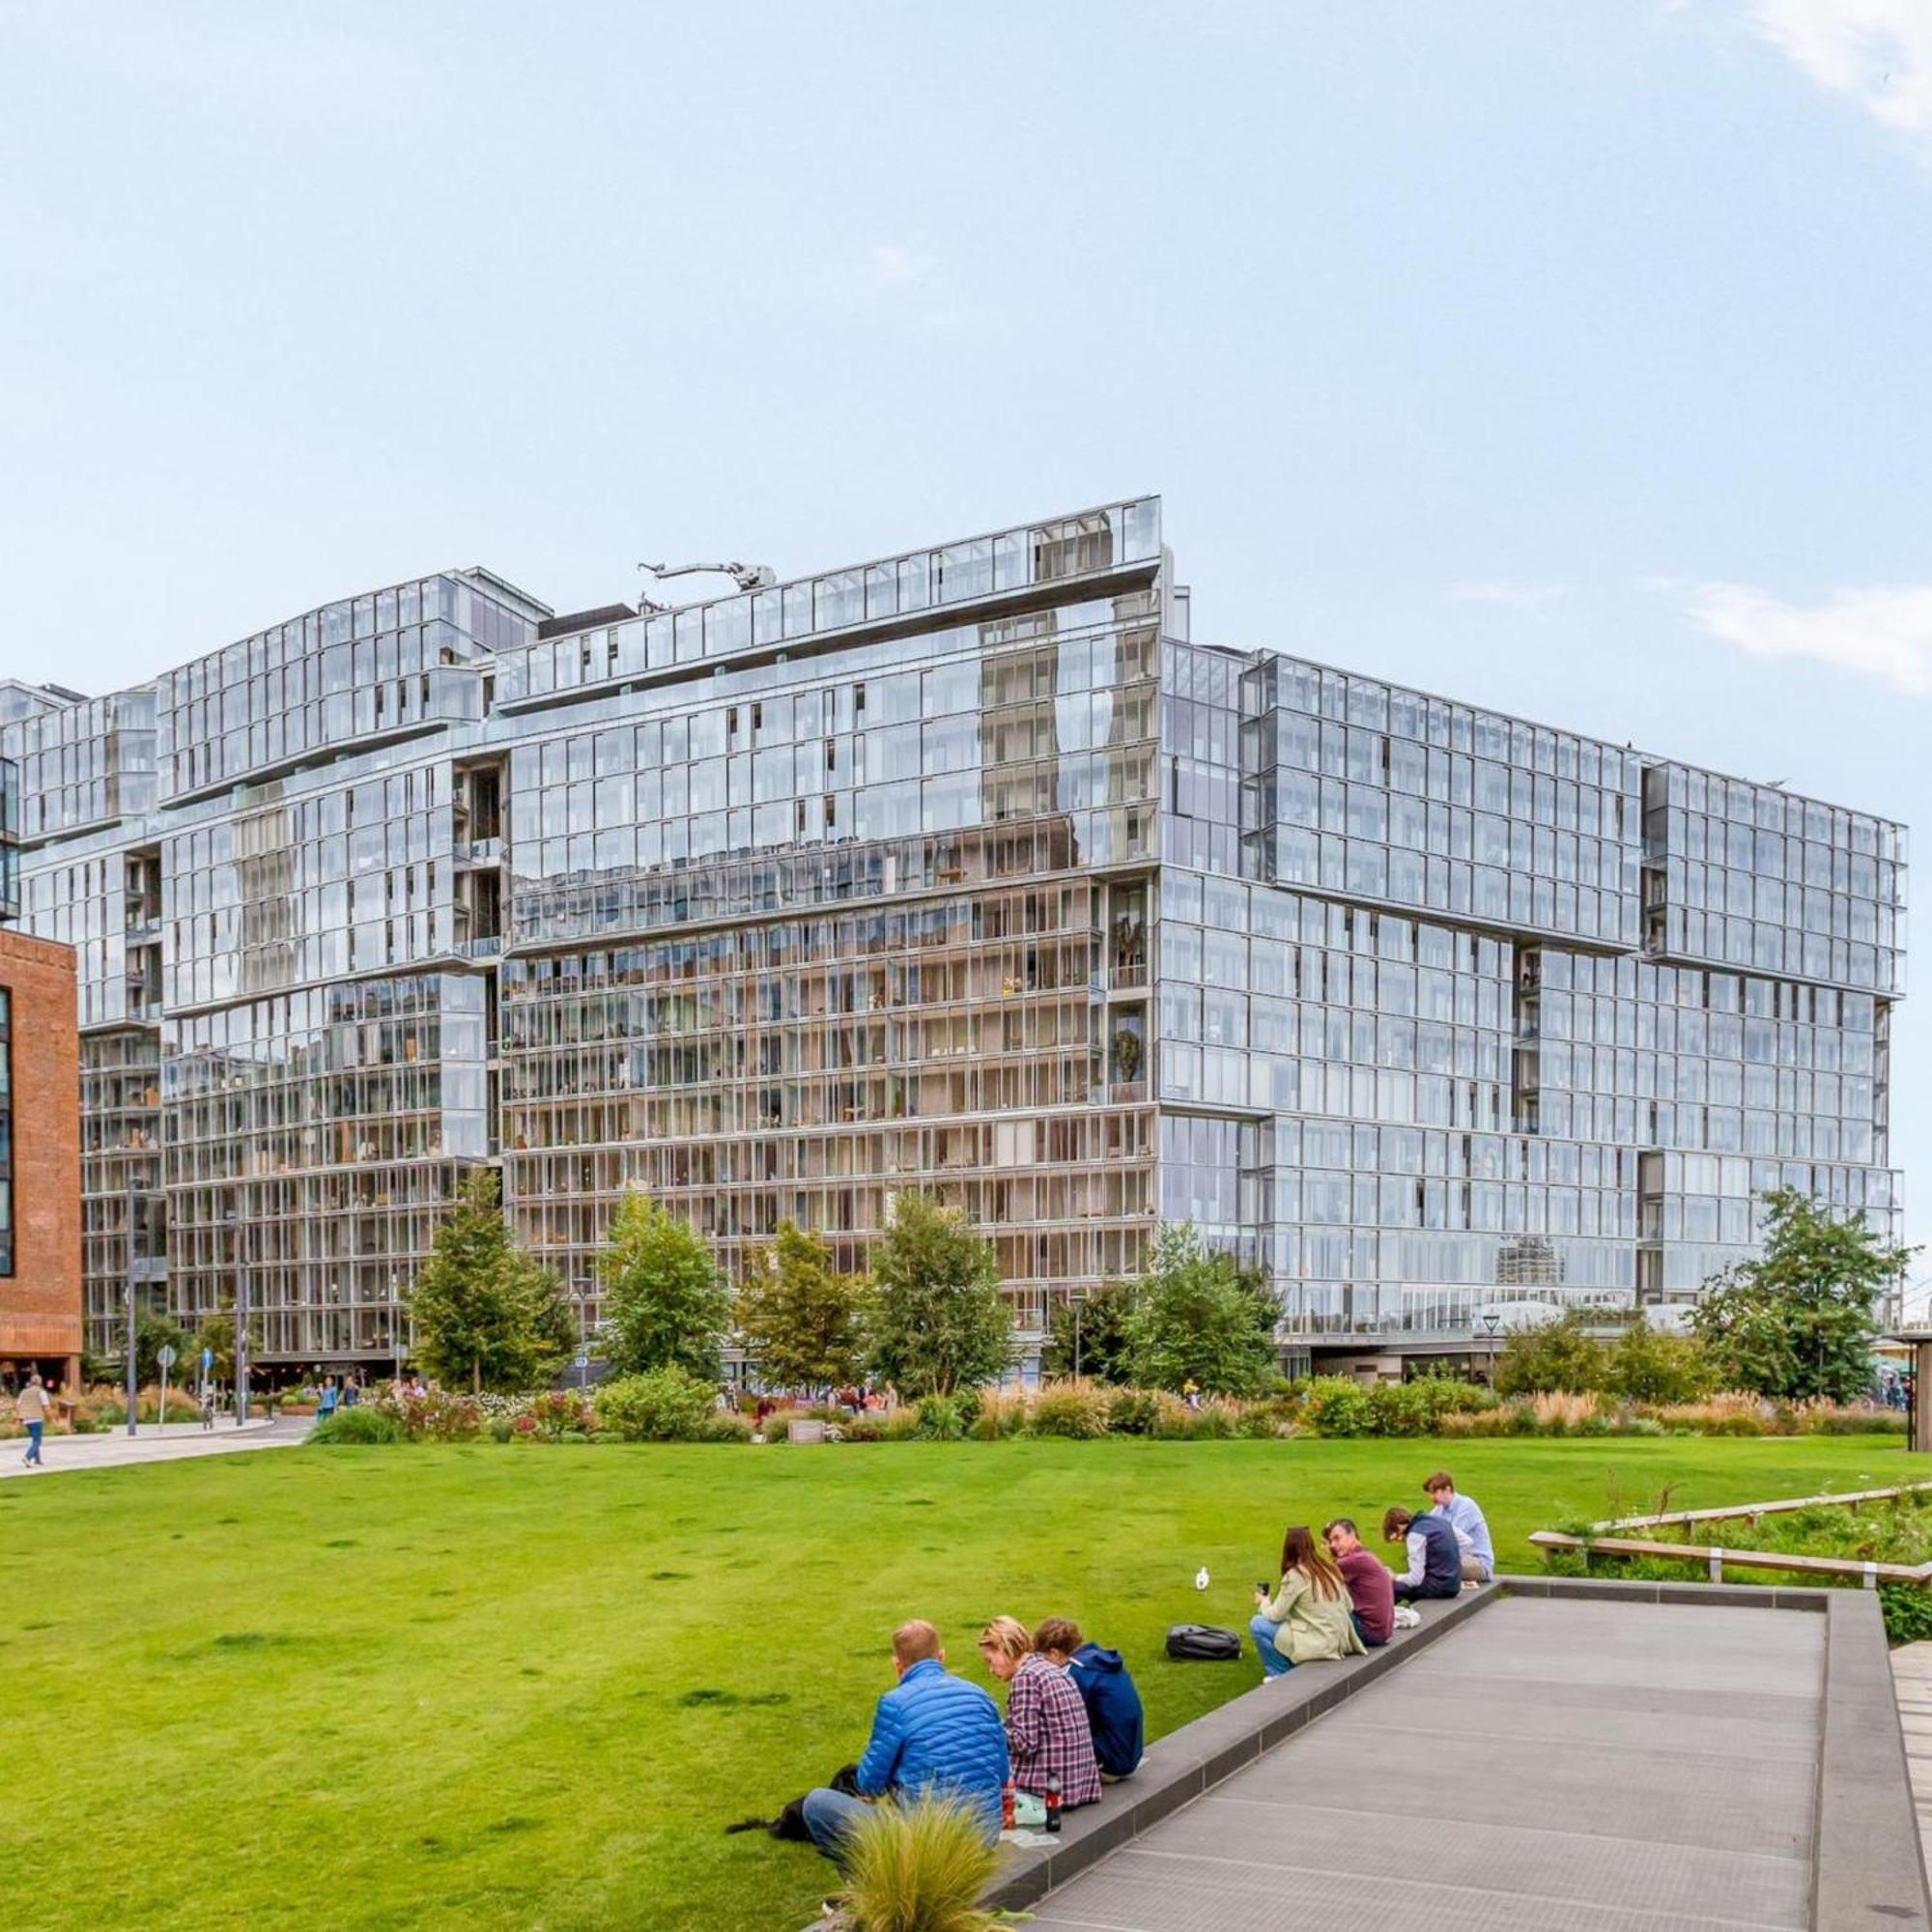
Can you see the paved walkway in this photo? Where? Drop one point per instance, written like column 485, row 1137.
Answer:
column 1912, row 1686
column 1551, row 1764
column 176, row 1442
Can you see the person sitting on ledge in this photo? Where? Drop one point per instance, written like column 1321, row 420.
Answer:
column 1046, row 1722
column 1370, row 1588
column 1435, row 1555
column 932, row 1734
column 1307, row 1620
column 1467, row 1521
column 1114, row 1712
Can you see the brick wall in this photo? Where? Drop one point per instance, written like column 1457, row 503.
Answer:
column 40, row 1301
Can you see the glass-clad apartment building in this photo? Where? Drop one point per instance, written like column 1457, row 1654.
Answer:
column 964, row 868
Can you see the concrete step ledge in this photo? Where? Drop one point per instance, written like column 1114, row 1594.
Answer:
column 1187, row 1763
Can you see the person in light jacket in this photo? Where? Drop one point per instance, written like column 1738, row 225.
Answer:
column 31, row 1406
column 1307, row 1620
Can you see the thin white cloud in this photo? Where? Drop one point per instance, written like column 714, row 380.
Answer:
column 1885, row 634
column 1512, row 596
column 901, row 265
column 1877, row 51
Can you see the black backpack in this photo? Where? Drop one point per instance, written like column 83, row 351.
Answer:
column 1201, row 1643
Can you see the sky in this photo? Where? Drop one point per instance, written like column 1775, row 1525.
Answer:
column 1569, row 360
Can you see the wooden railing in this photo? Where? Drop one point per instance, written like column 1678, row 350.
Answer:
column 1595, row 1543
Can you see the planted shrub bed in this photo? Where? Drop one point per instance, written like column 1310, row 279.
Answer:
column 672, row 1405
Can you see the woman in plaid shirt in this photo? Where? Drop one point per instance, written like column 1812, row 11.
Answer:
column 1046, row 1721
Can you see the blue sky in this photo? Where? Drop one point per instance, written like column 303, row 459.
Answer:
column 1571, row 360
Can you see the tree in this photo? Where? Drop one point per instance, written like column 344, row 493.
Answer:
column 1201, row 1317
column 1102, row 1353
column 151, row 1334
column 935, row 1317
column 1559, row 1358
column 1798, row 1321
column 1648, row 1365
column 799, row 1316
column 667, row 1303
column 485, row 1312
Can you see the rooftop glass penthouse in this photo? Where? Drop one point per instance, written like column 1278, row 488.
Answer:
column 966, row 868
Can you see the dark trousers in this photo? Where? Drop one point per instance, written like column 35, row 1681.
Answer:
column 1404, row 1593
column 1368, row 1642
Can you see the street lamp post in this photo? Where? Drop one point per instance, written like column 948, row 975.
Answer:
column 134, row 1377
column 1079, row 1302
column 1492, row 1322
column 240, row 1318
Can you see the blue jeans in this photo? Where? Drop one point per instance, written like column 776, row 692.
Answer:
column 829, row 1815
column 1262, row 1630
column 1368, row 1642
column 34, row 1430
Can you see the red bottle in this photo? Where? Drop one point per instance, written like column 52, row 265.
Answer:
column 1006, row 1806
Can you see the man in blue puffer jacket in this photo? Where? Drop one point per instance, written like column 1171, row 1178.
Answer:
column 932, row 1733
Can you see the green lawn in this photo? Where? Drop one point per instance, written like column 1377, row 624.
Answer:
column 527, row 1687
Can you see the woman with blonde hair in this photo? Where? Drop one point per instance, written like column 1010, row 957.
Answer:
column 1307, row 1619
column 1047, row 1732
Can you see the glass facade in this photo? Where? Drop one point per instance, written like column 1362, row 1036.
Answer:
column 966, row 868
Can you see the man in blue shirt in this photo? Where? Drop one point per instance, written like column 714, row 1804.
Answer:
column 933, row 1735
column 1472, row 1530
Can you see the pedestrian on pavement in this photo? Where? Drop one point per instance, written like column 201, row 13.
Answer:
column 328, row 1398
column 31, row 1406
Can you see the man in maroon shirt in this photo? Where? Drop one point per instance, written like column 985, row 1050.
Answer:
column 1371, row 1585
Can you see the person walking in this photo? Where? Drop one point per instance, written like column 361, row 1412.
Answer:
column 31, row 1406
column 327, row 1405
column 1308, row 1619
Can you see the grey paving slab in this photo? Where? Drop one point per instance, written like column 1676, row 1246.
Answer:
column 1649, row 1768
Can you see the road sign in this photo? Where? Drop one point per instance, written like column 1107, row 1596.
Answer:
column 581, row 1362
column 165, row 1355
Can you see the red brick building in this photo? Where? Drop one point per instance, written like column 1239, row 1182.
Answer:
column 40, row 1159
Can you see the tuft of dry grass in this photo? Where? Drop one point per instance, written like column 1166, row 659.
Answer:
column 918, row 1867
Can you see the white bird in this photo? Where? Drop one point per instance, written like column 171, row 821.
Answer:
column 1200, row 1578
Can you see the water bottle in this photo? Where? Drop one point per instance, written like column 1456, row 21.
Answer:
column 1052, row 1804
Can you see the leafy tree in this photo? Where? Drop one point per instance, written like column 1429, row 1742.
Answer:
column 1105, row 1341
column 666, row 1303
column 1559, row 1357
column 800, row 1318
column 1798, row 1321
column 1648, row 1365
column 935, row 1317
column 1200, row 1317
column 485, row 1312
column 153, row 1333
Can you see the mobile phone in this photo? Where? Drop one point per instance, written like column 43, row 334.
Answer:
column 1264, row 1588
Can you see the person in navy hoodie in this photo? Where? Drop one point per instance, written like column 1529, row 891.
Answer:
column 933, row 1735
column 1113, row 1704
